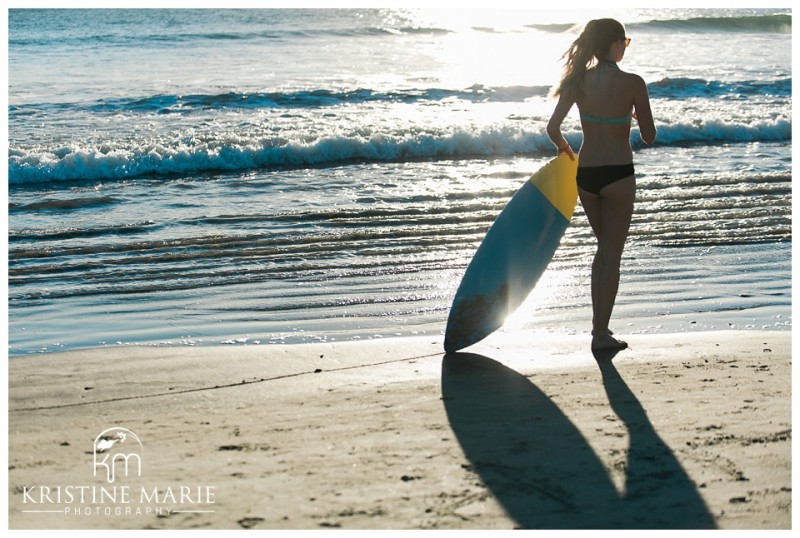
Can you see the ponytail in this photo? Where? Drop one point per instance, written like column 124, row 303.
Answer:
column 591, row 47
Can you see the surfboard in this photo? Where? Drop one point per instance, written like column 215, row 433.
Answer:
column 514, row 254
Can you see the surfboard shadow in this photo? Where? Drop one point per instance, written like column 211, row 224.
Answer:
column 541, row 469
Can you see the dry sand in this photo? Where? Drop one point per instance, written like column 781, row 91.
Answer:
column 523, row 431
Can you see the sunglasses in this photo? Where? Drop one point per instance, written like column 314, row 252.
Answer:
column 627, row 40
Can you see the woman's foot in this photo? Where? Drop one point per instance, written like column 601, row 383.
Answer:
column 606, row 342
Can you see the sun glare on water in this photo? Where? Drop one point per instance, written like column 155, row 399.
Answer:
column 499, row 47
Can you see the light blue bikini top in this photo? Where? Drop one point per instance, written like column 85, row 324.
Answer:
column 618, row 120
column 594, row 119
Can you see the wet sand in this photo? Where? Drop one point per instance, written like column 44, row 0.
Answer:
column 522, row 430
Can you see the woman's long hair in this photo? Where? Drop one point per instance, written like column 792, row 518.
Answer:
column 591, row 46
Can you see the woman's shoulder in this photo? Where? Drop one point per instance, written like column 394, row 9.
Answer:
column 632, row 78
column 632, row 81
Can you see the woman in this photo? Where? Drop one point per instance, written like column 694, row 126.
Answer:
column 607, row 100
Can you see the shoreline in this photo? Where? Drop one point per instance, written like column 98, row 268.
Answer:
column 661, row 326
column 653, row 300
column 522, row 430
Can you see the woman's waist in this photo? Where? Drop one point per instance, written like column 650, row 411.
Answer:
column 605, row 157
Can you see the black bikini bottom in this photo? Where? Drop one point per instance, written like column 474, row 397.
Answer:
column 595, row 178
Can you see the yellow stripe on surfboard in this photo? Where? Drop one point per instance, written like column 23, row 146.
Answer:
column 556, row 180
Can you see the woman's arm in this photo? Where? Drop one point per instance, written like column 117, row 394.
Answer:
column 642, row 111
column 554, row 126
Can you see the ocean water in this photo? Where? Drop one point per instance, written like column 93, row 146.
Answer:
column 247, row 177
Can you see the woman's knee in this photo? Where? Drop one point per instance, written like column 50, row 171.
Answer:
column 609, row 256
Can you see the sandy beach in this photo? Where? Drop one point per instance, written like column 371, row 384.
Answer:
column 521, row 431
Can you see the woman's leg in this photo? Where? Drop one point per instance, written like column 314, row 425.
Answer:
column 609, row 214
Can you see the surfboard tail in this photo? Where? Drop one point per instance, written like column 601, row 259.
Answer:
column 475, row 317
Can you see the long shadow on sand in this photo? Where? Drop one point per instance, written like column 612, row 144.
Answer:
column 543, row 471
